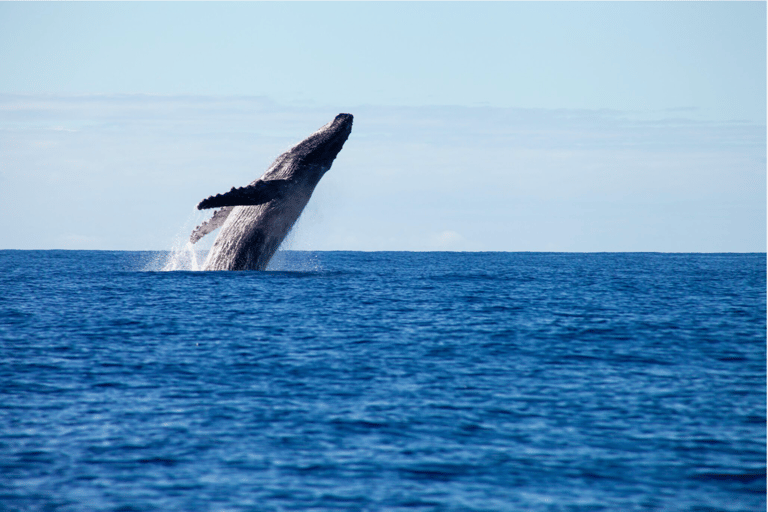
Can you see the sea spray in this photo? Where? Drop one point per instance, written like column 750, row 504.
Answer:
column 183, row 258
column 294, row 261
column 183, row 255
column 287, row 259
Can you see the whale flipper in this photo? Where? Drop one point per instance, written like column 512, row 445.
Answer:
column 214, row 222
column 259, row 192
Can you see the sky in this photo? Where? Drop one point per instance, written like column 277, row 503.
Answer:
column 499, row 126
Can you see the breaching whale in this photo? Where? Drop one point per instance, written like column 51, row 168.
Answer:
column 255, row 219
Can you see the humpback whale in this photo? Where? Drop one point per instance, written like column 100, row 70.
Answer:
column 256, row 218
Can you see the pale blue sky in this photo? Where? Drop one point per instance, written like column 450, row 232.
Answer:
column 479, row 126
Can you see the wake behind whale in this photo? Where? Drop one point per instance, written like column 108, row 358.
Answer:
column 255, row 219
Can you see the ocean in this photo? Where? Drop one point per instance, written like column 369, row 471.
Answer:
column 383, row 381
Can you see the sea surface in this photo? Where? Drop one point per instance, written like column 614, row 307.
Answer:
column 384, row 381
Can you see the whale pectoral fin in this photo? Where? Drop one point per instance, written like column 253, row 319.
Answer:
column 259, row 193
column 214, row 222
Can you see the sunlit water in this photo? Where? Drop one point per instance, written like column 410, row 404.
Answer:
column 383, row 381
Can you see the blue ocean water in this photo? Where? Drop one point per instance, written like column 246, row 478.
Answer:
column 384, row 381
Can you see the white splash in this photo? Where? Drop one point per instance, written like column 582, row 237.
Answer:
column 183, row 255
column 182, row 258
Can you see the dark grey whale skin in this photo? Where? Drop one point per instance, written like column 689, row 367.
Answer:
column 255, row 219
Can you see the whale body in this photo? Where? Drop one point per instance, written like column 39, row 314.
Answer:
column 256, row 218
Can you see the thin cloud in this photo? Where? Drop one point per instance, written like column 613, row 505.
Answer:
column 128, row 170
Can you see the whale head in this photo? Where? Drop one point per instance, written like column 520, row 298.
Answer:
column 321, row 147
